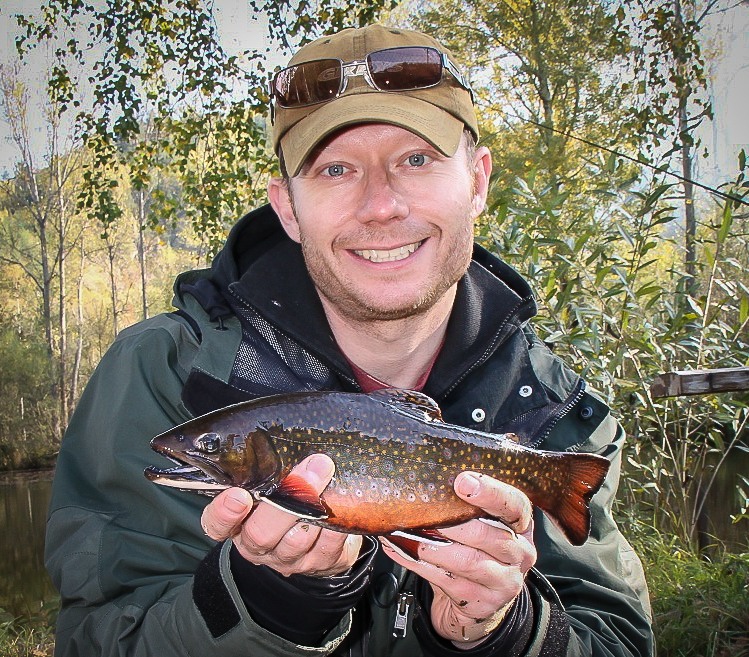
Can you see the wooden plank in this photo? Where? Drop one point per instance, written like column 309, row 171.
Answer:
column 699, row 382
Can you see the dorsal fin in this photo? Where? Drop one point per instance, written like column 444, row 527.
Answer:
column 410, row 401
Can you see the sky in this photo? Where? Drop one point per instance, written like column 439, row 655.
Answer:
column 723, row 137
column 730, row 131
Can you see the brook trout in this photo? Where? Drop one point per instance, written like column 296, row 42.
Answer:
column 396, row 461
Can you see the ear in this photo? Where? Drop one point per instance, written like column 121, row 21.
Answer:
column 482, row 170
column 279, row 196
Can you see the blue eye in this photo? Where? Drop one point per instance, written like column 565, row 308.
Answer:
column 335, row 170
column 417, row 159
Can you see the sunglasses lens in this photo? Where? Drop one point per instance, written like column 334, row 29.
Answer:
column 400, row 69
column 308, row 83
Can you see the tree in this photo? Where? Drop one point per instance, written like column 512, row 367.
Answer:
column 674, row 94
column 549, row 81
column 163, row 60
column 39, row 195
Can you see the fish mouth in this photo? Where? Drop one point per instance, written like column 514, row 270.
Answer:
column 193, row 471
column 388, row 255
column 184, row 477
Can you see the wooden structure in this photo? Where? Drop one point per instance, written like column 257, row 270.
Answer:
column 699, row 382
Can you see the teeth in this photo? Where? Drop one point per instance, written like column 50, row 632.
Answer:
column 388, row 256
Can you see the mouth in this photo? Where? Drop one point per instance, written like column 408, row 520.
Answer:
column 193, row 471
column 389, row 255
column 184, row 477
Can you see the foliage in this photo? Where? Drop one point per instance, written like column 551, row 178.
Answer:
column 700, row 607
column 671, row 67
column 607, row 296
column 161, row 63
column 598, row 236
column 24, row 403
column 544, row 73
column 674, row 100
column 24, row 638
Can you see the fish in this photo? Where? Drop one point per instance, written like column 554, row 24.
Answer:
column 395, row 459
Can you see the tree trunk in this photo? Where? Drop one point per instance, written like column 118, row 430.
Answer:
column 142, row 251
column 112, row 284
column 687, row 161
column 76, row 369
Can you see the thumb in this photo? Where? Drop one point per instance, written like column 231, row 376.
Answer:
column 317, row 470
column 223, row 516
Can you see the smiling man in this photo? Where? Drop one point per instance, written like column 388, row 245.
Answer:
column 361, row 273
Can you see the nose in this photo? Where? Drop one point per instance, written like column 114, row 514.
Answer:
column 380, row 199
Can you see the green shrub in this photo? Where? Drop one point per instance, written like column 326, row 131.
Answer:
column 700, row 606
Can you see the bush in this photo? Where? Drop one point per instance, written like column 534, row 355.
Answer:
column 700, row 606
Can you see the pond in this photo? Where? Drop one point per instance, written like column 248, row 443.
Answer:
column 25, row 588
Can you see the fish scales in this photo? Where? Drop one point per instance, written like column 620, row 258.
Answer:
column 396, row 461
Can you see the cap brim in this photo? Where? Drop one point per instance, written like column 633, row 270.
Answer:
column 433, row 124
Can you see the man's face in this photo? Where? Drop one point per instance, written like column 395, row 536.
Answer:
column 385, row 220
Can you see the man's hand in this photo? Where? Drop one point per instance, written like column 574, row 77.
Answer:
column 476, row 579
column 269, row 536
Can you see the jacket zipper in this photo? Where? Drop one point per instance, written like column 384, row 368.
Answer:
column 577, row 394
column 402, row 612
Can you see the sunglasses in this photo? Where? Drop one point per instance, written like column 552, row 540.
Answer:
column 392, row 69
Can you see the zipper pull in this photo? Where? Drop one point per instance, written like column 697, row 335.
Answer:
column 405, row 602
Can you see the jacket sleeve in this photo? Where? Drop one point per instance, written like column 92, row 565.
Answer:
column 600, row 585
column 136, row 575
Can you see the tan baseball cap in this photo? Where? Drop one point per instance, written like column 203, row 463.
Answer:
column 437, row 114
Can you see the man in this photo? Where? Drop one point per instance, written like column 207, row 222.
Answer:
column 361, row 274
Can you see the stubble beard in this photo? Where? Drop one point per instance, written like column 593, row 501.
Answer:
column 355, row 305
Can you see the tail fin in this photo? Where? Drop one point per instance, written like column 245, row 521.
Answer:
column 570, row 509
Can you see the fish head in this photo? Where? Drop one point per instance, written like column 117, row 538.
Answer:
column 212, row 457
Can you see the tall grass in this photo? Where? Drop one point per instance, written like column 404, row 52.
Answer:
column 700, row 605
column 26, row 638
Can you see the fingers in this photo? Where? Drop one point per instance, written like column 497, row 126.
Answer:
column 497, row 498
column 268, row 524
column 268, row 535
column 477, row 577
column 223, row 517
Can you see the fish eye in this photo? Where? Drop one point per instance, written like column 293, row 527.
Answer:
column 208, row 442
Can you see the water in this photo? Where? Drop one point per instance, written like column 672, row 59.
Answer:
column 25, row 588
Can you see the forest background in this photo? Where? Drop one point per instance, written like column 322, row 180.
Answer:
column 154, row 140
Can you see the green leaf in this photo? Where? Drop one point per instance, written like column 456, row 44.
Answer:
column 727, row 221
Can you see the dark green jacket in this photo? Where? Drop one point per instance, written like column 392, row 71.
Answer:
column 129, row 557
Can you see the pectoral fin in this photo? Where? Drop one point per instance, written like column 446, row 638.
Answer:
column 294, row 495
column 407, row 541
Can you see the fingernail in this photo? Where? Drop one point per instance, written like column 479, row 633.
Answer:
column 468, row 485
column 237, row 500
